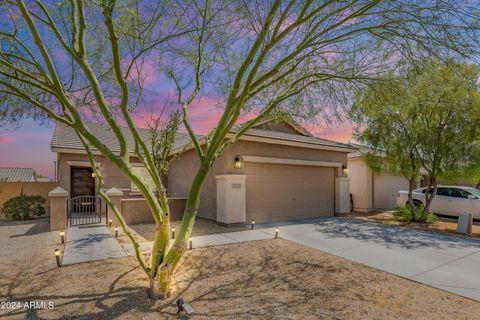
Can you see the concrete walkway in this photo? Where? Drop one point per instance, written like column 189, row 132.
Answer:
column 212, row 240
column 90, row 243
column 447, row 262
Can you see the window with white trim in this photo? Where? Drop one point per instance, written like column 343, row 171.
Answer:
column 142, row 172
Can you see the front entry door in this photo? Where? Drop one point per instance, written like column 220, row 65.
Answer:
column 84, row 206
column 82, row 183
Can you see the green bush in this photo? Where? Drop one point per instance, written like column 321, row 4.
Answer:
column 24, row 207
column 405, row 215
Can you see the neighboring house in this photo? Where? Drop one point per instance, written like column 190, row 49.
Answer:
column 8, row 174
column 372, row 191
column 18, row 181
column 277, row 171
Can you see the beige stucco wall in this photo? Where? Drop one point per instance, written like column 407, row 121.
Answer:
column 9, row 190
column 360, row 184
column 136, row 211
column 183, row 169
column 113, row 176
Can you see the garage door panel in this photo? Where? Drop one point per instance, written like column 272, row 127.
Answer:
column 386, row 187
column 276, row 192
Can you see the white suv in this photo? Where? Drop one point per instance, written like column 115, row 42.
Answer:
column 449, row 200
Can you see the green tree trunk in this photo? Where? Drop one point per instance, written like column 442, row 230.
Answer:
column 165, row 261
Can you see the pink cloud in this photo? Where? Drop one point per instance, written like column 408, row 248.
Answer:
column 342, row 132
column 147, row 73
column 5, row 140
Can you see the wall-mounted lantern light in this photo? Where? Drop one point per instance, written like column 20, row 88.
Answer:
column 93, row 175
column 238, row 163
column 345, row 170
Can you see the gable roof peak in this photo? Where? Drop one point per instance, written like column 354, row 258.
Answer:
column 287, row 120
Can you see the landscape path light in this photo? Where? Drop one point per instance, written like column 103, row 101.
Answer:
column 57, row 257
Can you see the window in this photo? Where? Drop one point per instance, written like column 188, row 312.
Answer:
column 459, row 193
column 145, row 176
column 442, row 192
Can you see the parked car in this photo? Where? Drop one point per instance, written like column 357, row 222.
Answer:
column 449, row 200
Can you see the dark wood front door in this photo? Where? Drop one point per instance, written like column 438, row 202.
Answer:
column 81, row 182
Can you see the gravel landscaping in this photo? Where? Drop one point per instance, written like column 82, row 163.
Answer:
column 443, row 225
column 269, row 279
column 202, row 227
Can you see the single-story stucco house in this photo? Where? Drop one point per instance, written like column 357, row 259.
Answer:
column 277, row 171
column 372, row 191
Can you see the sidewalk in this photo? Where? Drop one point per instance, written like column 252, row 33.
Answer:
column 90, row 243
column 215, row 239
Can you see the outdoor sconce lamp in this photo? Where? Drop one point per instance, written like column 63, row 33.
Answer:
column 57, row 257
column 253, row 224
column 93, row 175
column 110, row 222
column 190, row 243
column 276, row 232
column 238, row 163
column 62, row 236
column 116, row 232
column 345, row 170
column 173, row 233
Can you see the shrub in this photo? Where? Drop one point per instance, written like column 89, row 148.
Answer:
column 24, row 207
column 405, row 215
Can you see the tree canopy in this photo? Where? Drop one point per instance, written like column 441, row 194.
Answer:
column 425, row 120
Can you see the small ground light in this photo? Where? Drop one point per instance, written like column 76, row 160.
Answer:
column 276, row 232
column 253, row 224
column 57, row 257
column 173, row 233
column 190, row 243
column 62, row 236
column 110, row 222
column 116, row 232
column 183, row 306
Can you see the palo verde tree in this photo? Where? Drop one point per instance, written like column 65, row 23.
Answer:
column 65, row 59
column 424, row 120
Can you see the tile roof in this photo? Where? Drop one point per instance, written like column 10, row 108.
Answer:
column 297, row 138
column 17, row 174
column 65, row 137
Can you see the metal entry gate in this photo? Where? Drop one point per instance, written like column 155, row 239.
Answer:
column 84, row 210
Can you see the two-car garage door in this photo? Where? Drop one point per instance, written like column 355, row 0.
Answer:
column 280, row 192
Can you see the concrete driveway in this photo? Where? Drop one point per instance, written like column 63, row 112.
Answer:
column 447, row 262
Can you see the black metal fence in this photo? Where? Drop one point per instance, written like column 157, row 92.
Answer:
column 84, row 210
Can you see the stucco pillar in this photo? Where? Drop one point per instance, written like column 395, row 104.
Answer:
column 231, row 199
column 115, row 196
column 58, row 208
column 342, row 196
